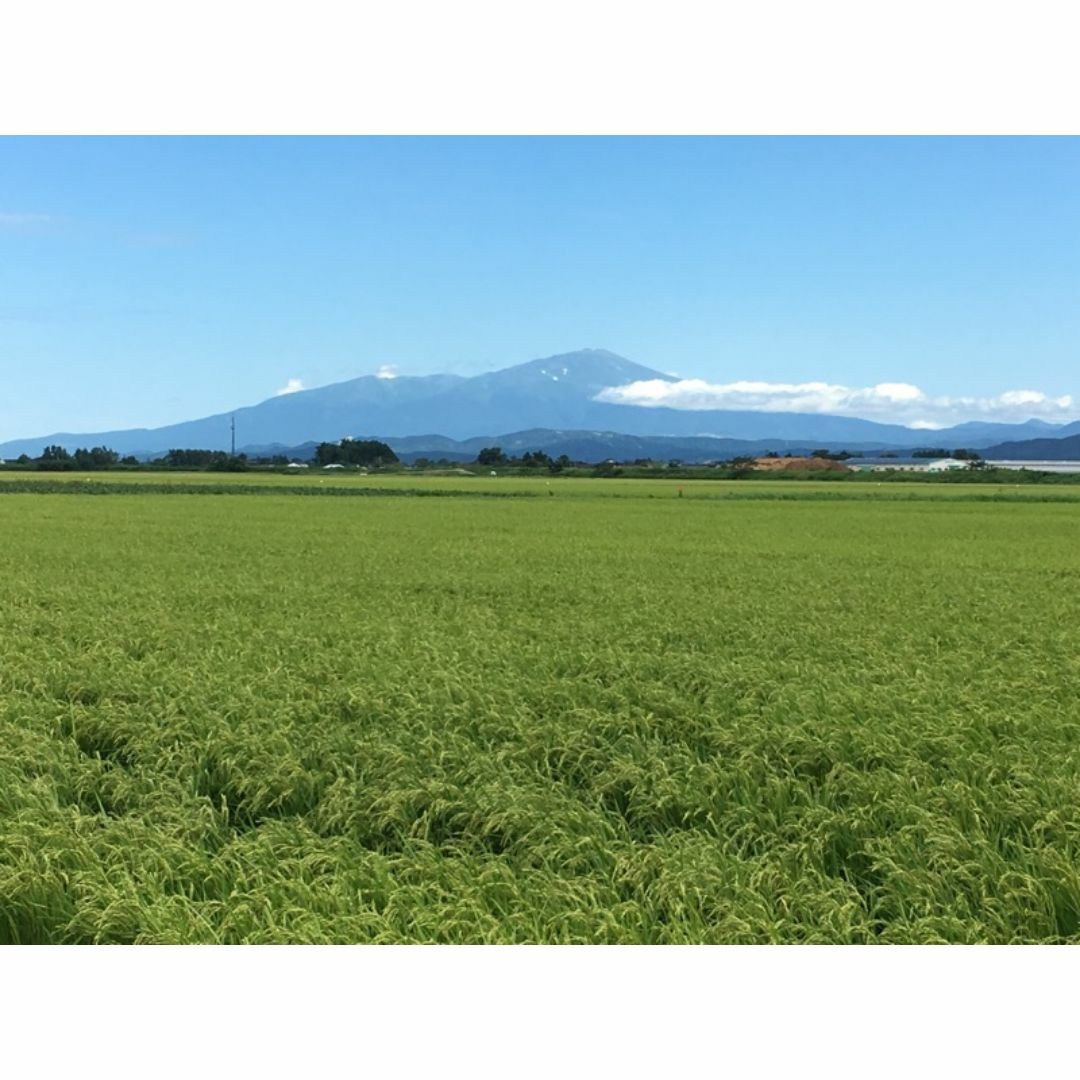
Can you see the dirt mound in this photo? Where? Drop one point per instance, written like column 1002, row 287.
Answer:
column 785, row 464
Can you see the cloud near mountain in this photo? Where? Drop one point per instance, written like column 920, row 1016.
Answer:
column 898, row 403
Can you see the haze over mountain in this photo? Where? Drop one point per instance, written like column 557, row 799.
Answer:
column 553, row 394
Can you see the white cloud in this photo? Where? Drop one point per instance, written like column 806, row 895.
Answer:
column 899, row 403
column 1023, row 397
column 387, row 371
column 291, row 387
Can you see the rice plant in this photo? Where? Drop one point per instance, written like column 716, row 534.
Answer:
column 609, row 716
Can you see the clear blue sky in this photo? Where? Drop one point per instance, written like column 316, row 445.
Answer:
column 145, row 281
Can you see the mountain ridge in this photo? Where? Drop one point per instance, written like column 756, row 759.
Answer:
column 1066, row 448
column 550, row 393
column 577, row 445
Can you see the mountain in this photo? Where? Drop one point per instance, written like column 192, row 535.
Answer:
column 1063, row 449
column 328, row 412
column 977, row 432
column 553, row 392
column 556, row 393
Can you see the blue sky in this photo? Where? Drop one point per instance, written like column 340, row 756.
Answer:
column 150, row 280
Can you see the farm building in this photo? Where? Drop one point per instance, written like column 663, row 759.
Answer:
column 1039, row 466
column 906, row 464
column 945, row 464
column 887, row 465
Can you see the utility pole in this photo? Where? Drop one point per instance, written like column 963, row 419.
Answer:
column 232, row 431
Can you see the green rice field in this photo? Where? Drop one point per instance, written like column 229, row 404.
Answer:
column 531, row 711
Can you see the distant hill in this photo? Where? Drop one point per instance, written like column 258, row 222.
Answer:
column 1065, row 449
column 557, row 393
column 976, row 433
column 595, row 446
column 591, row 446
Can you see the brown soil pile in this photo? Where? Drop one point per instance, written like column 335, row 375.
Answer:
column 799, row 463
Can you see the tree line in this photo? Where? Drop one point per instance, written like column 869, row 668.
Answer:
column 365, row 452
column 60, row 459
column 372, row 453
column 494, row 455
column 960, row 454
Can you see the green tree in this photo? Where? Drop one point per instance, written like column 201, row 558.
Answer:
column 190, row 459
column 367, row 452
column 491, row 455
column 54, row 459
column 97, row 457
column 229, row 463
